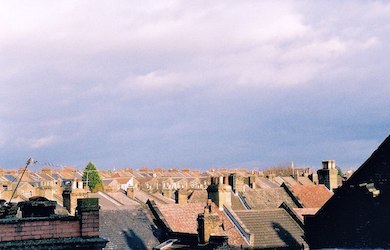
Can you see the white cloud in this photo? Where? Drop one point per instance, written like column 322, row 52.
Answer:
column 42, row 142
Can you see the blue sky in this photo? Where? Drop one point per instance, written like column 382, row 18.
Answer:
column 195, row 84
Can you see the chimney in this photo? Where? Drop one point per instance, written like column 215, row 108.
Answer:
column 130, row 192
column 37, row 206
column 167, row 192
column 232, row 181
column 328, row 174
column 1, row 172
column 70, row 196
column 181, row 196
column 252, row 181
column 329, row 164
column 220, row 194
column 208, row 224
column 88, row 213
column 225, row 180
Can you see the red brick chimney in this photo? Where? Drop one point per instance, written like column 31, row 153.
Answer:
column 88, row 212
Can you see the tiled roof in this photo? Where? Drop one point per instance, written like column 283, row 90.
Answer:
column 144, row 197
column 123, row 180
column 267, row 198
column 278, row 180
column 290, row 180
column 312, row 196
column 162, row 198
column 305, row 181
column 198, row 196
column 236, row 203
column 46, row 177
column 265, row 183
column 107, row 181
column 183, row 218
column 272, row 228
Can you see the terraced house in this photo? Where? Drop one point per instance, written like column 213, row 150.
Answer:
column 217, row 209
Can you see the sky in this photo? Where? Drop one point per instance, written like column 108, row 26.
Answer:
column 196, row 84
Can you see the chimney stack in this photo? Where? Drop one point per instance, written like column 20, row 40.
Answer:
column 328, row 174
column 131, row 192
column 70, row 196
column 208, row 224
column 220, row 194
column 181, row 196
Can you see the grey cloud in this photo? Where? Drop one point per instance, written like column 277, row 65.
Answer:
column 196, row 84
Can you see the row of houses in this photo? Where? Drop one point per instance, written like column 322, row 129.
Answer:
column 239, row 208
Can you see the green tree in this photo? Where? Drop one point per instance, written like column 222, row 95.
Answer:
column 92, row 178
column 340, row 171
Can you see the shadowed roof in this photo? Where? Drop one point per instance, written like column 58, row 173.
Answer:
column 272, row 228
column 268, row 198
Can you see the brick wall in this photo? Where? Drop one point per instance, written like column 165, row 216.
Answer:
column 85, row 224
column 39, row 228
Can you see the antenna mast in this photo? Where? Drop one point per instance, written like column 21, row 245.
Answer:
column 29, row 161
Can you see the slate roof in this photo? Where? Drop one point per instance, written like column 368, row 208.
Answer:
column 122, row 198
column 312, row 196
column 127, row 229
column 10, row 177
column 116, row 200
column 272, row 228
column 124, row 222
column 267, row 198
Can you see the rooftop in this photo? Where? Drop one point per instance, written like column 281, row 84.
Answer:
column 312, row 196
column 272, row 228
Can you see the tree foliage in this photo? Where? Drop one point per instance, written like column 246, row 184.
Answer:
column 92, row 178
column 340, row 171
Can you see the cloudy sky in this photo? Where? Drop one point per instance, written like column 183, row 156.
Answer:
column 193, row 83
